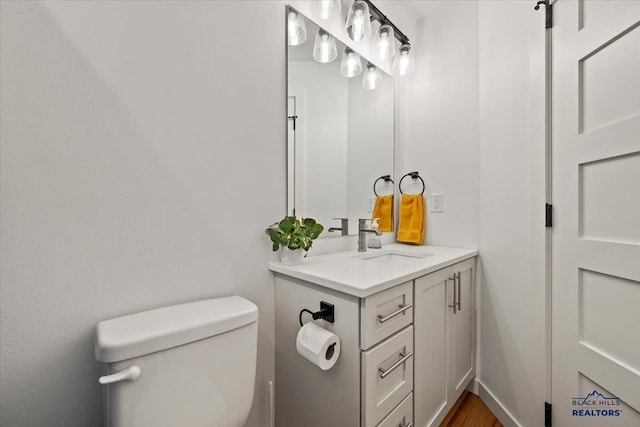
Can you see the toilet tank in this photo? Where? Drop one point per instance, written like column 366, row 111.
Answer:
column 196, row 364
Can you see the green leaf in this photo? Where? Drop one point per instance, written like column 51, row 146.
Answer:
column 287, row 224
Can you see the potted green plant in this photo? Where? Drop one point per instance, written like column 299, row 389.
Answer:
column 295, row 237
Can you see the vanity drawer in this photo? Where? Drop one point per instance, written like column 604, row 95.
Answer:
column 402, row 416
column 385, row 313
column 387, row 376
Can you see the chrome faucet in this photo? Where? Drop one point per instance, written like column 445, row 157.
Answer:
column 344, row 227
column 362, row 234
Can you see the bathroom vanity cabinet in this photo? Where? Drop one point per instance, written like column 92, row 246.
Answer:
column 405, row 355
column 444, row 322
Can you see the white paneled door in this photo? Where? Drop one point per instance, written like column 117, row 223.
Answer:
column 596, row 198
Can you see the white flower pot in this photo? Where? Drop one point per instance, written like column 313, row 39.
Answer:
column 291, row 257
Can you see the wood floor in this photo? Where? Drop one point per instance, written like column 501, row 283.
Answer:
column 470, row 411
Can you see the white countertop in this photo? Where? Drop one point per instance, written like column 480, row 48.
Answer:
column 346, row 272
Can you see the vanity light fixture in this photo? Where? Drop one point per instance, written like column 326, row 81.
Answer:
column 358, row 23
column 403, row 63
column 324, row 49
column 296, row 30
column 325, row 9
column 351, row 65
column 384, row 44
column 371, row 77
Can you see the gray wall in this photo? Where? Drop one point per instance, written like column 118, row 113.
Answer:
column 143, row 153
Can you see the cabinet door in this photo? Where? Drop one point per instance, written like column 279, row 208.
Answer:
column 431, row 302
column 463, row 329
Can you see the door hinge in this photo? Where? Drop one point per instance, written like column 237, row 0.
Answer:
column 548, row 215
column 548, row 14
column 294, row 118
column 547, row 414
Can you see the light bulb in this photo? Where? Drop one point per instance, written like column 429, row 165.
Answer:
column 325, row 9
column 403, row 63
column 324, row 49
column 358, row 26
column 351, row 65
column 358, row 23
column 296, row 30
column 371, row 77
column 384, row 43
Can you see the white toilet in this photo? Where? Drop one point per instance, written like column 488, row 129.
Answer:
column 185, row 365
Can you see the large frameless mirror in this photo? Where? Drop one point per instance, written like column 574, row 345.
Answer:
column 340, row 128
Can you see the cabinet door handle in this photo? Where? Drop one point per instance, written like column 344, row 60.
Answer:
column 455, row 294
column 459, row 291
column 402, row 309
column 404, row 357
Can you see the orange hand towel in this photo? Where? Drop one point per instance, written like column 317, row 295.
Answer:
column 411, row 224
column 383, row 210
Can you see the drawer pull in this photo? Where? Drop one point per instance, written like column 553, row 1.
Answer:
column 402, row 309
column 404, row 358
column 405, row 425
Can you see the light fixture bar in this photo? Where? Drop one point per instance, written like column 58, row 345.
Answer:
column 383, row 20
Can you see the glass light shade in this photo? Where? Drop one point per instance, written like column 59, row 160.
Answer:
column 371, row 77
column 384, row 43
column 403, row 64
column 296, row 30
column 358, row 23
column 351, row 65
column 325, row 9
column 324, row 49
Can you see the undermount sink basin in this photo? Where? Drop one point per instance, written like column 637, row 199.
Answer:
column 391, row 254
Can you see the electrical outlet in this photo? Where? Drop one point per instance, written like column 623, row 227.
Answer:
column 437, row 202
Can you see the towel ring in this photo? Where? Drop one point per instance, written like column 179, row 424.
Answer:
column 413, row 175
column 386, row 178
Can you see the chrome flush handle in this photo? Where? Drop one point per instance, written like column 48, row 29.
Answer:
column 129, row 374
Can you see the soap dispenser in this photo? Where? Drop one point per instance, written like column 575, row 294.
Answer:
column 374, row 240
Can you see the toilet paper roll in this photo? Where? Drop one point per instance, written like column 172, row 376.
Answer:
column 318, row 346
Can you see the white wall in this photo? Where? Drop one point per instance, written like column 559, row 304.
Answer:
column 118, row 148
column 324, row 129
column 437, row 122
column 512, row 196
column 370, row 151
column 471, row 121
column 138, row 169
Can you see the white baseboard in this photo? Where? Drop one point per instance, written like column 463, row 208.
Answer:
column 498, row 409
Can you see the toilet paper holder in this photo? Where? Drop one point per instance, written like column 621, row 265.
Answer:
column 326, row 313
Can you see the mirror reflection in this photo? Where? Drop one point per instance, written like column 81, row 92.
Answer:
column 340, row 129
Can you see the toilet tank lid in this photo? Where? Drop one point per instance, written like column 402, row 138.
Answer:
column 150, row 331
